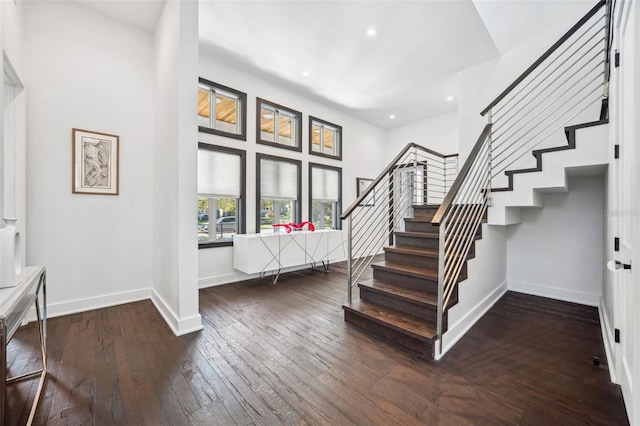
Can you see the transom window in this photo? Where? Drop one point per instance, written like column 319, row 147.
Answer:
column 278, row 126
column 221, row 194
column 278, row 191
column 325, row 189
column 221, row 110
column 325, row 138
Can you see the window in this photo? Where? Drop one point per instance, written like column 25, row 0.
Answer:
column 325, row 138
column 325, row 189
column 221, row 110
column 221, row 194
column 278, row 191
column 278, row 126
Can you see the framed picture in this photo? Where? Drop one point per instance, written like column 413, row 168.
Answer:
column 95, row 163
column 362, row 184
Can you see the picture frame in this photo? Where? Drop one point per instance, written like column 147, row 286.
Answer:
column 95, row 162
column 362, row 184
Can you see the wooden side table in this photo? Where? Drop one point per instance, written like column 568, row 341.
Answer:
column 14, row 306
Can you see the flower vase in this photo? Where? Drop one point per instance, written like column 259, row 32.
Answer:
column 10, row 254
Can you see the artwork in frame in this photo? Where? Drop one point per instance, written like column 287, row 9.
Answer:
column 362, row 184
column 95, row 162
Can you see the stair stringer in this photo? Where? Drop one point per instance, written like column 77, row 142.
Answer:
column 590, row 152
column 485, row 284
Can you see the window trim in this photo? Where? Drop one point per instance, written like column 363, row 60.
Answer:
column 334, row 168
column 327, row 123
column 242, row 111
column 241, row 216
column 298, row 163
column 298, row 133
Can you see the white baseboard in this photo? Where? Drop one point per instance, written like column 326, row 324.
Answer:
column 224, row 279
column 238, row 276
column 607, row 338
column 459, row 329
column 581, row 297
column 179, row 326
column 627, row 386
column 91, row 303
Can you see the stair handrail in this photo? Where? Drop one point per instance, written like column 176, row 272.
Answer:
column 440, row 214
column 385, row 173
column 458, row 218
column 544, row 56
column 567, row 83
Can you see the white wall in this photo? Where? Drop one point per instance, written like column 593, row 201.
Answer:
column 13, row 122
column 175, row 147
column 438, row 133
column 11, row 32
column 485, row 285
column 362, row 154
column 557, row 250
column 88, row 71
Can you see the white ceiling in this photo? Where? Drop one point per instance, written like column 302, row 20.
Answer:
column 143, row 14
column 407, row 69
column 513, row 22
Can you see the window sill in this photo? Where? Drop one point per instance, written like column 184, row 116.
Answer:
column 214, row 244
column 320, row 154
column 242, row 136
column 279, row 145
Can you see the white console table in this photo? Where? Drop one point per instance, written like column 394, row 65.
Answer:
column 262, row 253
column 15, row 303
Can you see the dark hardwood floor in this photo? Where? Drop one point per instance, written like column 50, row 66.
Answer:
column 282, row 354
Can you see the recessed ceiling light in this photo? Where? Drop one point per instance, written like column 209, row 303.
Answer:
column 449, row 98
column 267, row 116
column 305, row 73
column 218, row 100
column 392, row 116
column 371, row 32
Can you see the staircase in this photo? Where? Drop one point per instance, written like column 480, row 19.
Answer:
column 583, row 153
column 400, row 303
column 544, row 126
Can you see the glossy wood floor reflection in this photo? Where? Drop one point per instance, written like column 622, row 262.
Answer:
column 282, row 354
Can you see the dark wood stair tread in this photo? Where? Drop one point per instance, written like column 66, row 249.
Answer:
column 414, row 251
column 418, row 251
column 426, row 206
column 466, row 218
column 401, row 292
column 409, row 325
column 433, row 235
column 414, row 271
column 416, row 296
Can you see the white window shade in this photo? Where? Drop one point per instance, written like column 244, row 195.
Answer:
column 325, row 184
column 278, row 180
column 219, row 174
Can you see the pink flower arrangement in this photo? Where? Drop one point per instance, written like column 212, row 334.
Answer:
column 291, row 226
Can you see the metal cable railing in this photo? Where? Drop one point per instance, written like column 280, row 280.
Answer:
column 565, row 83
column 562, row 86
column 417, row 176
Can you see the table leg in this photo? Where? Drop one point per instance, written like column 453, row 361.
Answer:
column 3, row 370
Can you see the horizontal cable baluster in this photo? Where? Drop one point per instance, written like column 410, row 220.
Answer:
column 551, row 114
column 497, row 170
column 498, row 111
